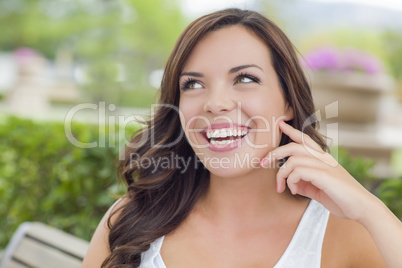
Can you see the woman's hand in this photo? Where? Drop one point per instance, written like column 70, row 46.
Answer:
column 311, row 172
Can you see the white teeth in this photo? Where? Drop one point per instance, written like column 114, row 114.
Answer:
column 216, row 134
column 224, row 133
column 224, row 142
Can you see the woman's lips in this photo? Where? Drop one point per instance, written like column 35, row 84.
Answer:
column 225, row 136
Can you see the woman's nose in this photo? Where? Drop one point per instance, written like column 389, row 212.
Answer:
column 219, row 101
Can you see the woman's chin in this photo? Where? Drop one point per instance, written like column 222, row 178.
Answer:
column 231, row 170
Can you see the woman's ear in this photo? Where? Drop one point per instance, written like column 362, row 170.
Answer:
column 289, row 114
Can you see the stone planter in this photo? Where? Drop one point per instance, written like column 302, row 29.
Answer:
column 358, row 94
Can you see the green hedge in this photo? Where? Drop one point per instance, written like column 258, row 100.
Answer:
column 43, row 177
column 389, row 190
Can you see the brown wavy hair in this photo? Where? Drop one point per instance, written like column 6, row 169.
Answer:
column 159, row 198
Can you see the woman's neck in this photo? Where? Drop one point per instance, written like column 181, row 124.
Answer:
column 250, row 199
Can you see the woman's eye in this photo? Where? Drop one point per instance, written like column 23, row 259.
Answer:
column 246, row 78
column 193, row 85
column 190, row 85
column 243, row 79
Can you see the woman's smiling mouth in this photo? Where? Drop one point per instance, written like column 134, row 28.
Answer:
column 224, row 136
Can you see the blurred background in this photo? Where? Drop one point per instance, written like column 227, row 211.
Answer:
column 57, row 54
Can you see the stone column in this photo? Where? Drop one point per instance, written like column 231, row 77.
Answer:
column 29, row 96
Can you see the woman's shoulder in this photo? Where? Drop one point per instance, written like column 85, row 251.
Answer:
column 99, row 246
column 348, row 244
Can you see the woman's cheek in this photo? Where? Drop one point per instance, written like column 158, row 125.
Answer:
column 188, row 125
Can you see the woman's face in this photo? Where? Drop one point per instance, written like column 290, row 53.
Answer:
column 231, row 102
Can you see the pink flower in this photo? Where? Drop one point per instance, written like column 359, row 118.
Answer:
column 346, row 60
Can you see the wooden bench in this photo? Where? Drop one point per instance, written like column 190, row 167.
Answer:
column 35, row 244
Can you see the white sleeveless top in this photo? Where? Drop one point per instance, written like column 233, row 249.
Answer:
column 303, row 251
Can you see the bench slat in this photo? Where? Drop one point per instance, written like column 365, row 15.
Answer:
column 14, row 264
column 36, row 254
column 63, row 241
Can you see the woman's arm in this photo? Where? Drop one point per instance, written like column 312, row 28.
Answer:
column 385, row 229
column 311, row 172
column 98, row 249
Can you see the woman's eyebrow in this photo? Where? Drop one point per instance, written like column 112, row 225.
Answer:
column 232, row 70
column 192, row 74
column 238, row 68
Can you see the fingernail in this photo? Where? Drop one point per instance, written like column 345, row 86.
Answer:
column 277, row 188
column 264, row 162
column 282, row 122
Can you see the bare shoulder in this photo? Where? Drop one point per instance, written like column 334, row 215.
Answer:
column 348, row 244
column 99, row 246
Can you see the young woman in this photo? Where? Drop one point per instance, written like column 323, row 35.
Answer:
column 236, row 173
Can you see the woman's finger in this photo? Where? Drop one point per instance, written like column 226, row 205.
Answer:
column 298, row 136
column 291, row 149
column 305, row 176
column 291, row 164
